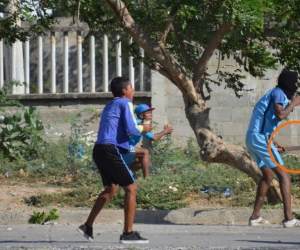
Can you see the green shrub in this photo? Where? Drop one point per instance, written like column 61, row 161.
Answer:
column 21, row 138
column 7, row 89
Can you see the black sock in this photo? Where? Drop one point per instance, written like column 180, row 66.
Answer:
column 129, row 233
column 87, row 226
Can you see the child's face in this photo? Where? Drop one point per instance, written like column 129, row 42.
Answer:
column 147, row 115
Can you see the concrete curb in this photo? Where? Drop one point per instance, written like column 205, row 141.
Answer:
column 181, row 216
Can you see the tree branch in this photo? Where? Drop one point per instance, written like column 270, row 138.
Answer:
column 183, row 48
column 78, row 12
column 208, row 52
column 172, row 70
column 167, row 30
column 161, row 70
column 138, row 35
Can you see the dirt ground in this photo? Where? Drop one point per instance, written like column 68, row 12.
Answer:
column 13, row 194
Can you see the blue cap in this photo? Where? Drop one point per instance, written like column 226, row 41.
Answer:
column 142, row 108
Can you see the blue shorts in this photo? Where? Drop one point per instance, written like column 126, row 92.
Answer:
column 257, row 145
column 129, row 158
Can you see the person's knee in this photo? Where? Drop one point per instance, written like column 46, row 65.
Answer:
column 131, row 189
column 111, row 190
column 268, row 178
column 284, row 177
column 145, row 152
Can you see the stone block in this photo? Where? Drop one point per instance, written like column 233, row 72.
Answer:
column 234, row 128
column 213, row 102
column 221, row 115
column 226, row 100
column 243, row 101
column 242, row 114
column 182, row 129
column 174, row 102
column 176, row 115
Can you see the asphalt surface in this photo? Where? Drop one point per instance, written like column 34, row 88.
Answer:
column 166, row 230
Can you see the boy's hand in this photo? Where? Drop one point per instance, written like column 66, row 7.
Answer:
column 147, row 127
column 295, row 100
column 169, row 129
column 279, row 147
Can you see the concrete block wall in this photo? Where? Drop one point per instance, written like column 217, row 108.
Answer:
column 229, row 115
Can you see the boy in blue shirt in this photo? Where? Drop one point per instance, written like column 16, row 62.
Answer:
column 267, row 115
column 116, row 125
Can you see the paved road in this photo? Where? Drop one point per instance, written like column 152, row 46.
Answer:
column 161, row 236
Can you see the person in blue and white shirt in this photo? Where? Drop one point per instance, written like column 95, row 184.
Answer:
column 267, row 115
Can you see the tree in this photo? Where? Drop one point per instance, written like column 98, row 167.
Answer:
column 12, row 13
column 37, row 13
column 179, row 38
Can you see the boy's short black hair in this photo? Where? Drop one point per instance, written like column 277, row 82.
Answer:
column 117, row 84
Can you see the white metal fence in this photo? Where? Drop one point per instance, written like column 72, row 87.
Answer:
column 10, row 56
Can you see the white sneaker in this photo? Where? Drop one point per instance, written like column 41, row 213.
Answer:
column 258, row 222
column 291, row 223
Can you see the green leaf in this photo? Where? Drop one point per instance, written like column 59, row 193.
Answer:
column 15, row 134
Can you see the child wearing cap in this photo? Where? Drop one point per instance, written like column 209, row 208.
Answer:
column 139, row 158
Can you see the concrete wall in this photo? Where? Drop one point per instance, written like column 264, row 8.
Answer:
column 229, row 115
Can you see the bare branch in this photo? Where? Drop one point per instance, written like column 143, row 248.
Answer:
column 78, row 12
column 138, row 35
column 167, row 30
column 157, row 50
column 183, row 48
column 161, row 71
column 208, row 52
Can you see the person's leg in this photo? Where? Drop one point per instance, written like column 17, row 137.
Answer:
column 102, row 199
column 137, row 164
column 129, row 206
column 146, row 163
column 142, row 160
column 285, row 189
column 262, row 188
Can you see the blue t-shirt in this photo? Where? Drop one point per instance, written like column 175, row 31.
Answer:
column 117, row 123
column 263, row 119
column 134, row 139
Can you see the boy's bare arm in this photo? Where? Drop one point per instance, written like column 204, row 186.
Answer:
column 168, row 129
column 281, row 113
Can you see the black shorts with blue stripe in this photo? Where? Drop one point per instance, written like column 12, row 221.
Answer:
column 111, row 165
